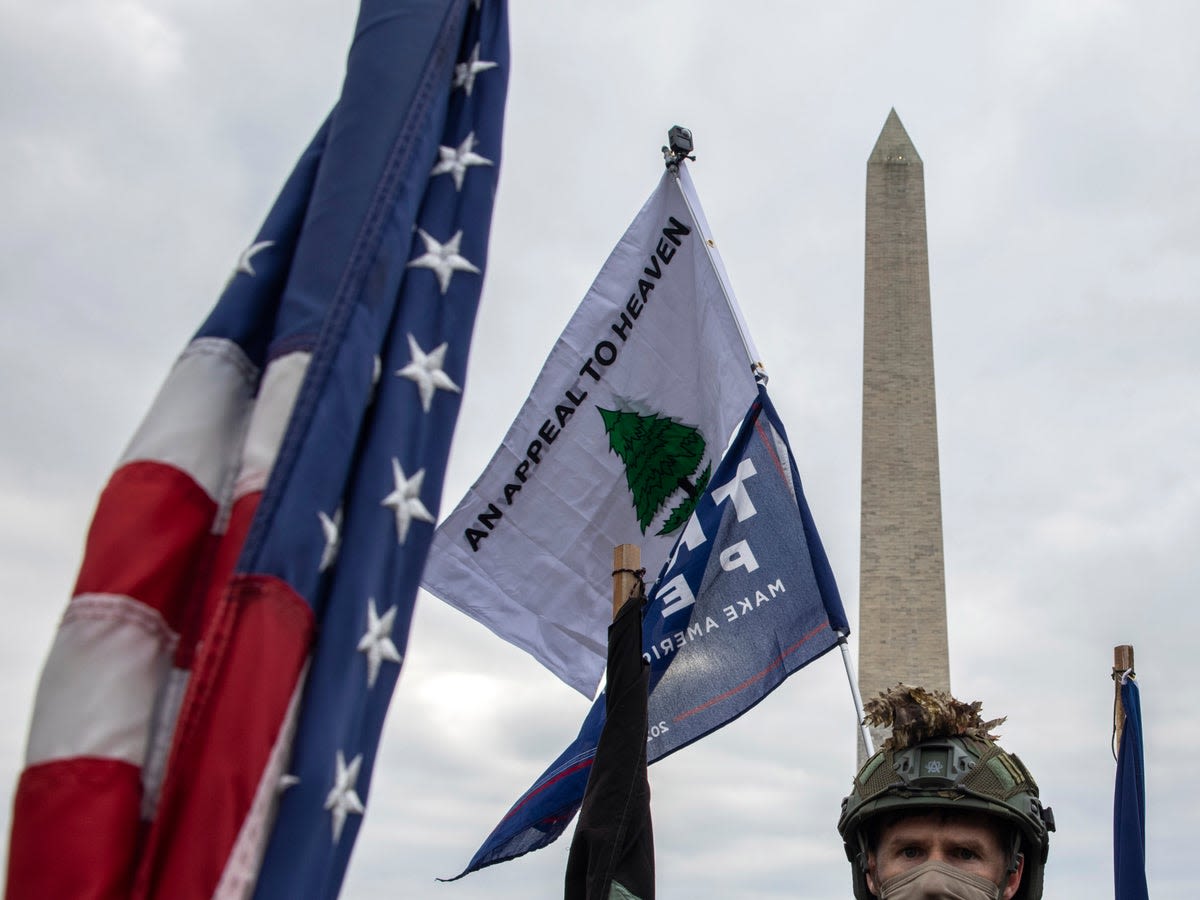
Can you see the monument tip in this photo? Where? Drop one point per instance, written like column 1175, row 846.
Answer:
column 893, row 144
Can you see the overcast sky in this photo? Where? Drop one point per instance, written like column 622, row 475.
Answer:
column 142, row 143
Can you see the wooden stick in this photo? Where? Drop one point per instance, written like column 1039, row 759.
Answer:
column 1122, row 663
column 627, row 559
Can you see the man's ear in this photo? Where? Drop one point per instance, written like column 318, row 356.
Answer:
column 1013, row 880
column 870, row 873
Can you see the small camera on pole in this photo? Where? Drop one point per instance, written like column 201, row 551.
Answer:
column 679, row 147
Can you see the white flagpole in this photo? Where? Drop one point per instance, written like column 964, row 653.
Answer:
column 844, row 644
column 680, row 148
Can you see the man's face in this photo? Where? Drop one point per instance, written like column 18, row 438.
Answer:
column 968, row 841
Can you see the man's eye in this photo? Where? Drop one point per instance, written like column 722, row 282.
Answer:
column 964, row 853
column 910, row 852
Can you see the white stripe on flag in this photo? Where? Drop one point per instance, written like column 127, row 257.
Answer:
column 245, row 859
column 280, row 386
column 109, row 657
column 199, row 414
column 166, row 713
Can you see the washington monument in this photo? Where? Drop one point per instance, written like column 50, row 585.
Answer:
column 902, row 599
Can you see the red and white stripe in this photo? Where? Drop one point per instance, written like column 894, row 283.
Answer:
column 155, row 579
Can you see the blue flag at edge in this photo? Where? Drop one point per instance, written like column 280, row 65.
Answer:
column 747, row 590
column 1129, row 804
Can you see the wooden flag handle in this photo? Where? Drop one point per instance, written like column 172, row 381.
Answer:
column 1122, row 663
column 627, row 561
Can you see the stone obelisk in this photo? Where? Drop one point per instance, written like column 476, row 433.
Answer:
column 902, row 594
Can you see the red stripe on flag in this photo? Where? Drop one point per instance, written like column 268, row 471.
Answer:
column 754, row 679
column 79, row 830
column 148, row 538
column 238, row 696
column 770, row 447
column 221, row 562
column 555, row 780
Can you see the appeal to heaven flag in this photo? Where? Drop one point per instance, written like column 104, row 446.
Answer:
column 746, row 599
column 272, row 514
column 1129, row 804
column 614, row 445
column 612, row 851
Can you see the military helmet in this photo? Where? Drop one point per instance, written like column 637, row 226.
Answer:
column 948, row 773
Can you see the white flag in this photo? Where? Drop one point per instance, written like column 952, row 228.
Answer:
column 631, row 411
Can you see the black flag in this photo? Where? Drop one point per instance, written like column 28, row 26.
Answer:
column 612, row 853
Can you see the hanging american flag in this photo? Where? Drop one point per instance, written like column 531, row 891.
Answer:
column 244, row 601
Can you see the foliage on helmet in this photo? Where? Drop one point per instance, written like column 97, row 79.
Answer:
column 914, row 715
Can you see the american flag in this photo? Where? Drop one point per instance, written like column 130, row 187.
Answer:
column 208, row 717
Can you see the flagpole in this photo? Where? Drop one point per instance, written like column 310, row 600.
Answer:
column 626, row 575
column 1122, row 669
column 679, row 147
column 844, row 644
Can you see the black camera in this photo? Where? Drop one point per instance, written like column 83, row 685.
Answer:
column 680, row 141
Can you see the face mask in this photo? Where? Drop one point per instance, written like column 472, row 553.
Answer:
column 938, row 881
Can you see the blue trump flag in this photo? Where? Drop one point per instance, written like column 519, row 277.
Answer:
column 1129, row 804
column 746, row 598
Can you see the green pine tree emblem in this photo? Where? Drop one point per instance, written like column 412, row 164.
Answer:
column 661, row 457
